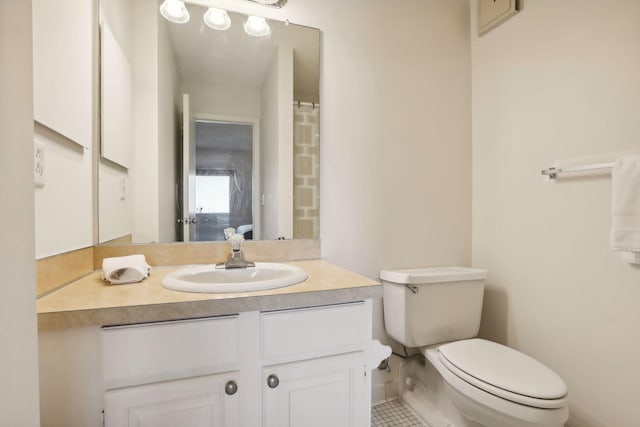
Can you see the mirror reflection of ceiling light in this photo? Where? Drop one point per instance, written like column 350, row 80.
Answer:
column 217, row 19
column 174, row 11
column 256, row 26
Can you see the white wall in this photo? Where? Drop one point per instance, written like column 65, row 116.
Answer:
column 64, row 206
column 62, row 72
column 145, row 83
column 18, row 354
column 269, row 152
column 559, row 81
column 276, row 147
column 115, row 212
column 69, row 377
column 169, row 100
column 285, row 142
column 119, row 16
column 223, row 100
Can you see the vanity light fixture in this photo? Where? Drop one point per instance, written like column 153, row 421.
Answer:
column 256, row 26
column 217, row 19
column 174, row 11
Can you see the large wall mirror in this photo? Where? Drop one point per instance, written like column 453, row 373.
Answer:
column 204, row 129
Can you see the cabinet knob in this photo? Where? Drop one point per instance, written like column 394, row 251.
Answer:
column 231, row 388
column 273, row 381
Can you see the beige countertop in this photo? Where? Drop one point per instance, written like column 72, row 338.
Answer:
column 90, row 301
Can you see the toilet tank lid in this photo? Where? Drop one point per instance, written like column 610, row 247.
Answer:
column 417, row 276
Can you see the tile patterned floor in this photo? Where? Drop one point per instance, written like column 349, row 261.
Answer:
column 394, row 414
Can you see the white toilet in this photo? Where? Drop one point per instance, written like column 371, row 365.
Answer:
column 467, row 382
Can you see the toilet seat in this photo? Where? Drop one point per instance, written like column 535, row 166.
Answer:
column 504, row 373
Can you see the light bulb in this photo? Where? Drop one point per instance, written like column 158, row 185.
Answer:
column 174, row 11
column 257, row 26
column 217, row 19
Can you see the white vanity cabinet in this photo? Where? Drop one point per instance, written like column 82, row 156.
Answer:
column 299, row 367
column 326, row 380
column 181, row 373
column 193, row 402
column 316, row 393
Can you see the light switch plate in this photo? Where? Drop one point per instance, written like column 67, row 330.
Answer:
column 492, row 13
column 123, row 188
column 38, row 164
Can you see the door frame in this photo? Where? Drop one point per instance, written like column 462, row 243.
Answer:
column 255, row 167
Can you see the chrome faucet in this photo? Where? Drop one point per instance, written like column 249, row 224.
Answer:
column 236, row 257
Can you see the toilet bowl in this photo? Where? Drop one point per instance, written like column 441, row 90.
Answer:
column 497, row 386
column 466, row 382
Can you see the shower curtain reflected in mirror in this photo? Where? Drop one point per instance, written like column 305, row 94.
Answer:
column 306, row 167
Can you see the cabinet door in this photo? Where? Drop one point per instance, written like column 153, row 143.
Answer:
column 316, row 393
column 196, row 402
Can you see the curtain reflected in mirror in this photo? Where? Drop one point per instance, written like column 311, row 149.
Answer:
column 306, row 167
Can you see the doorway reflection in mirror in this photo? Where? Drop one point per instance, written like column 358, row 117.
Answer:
column 223, row 184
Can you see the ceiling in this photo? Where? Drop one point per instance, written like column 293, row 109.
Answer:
column 233, row 58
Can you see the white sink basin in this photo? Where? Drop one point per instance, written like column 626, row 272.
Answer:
column 206, row 278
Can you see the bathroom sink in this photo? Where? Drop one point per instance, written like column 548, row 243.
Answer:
column 209, row 279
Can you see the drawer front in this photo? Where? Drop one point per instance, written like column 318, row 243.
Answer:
column 140, row 354
column 316, row 331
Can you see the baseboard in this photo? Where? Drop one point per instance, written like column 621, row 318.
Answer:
column 384, row 392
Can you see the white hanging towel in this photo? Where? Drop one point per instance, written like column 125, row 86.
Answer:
column 125, row 269
column 625, row 208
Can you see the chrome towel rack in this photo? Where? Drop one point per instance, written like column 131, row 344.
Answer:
column 554, row 171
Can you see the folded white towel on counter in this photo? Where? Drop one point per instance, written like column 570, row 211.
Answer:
column 125, row 269
column 625, row 208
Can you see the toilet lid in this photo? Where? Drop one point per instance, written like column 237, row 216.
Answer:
column 503, row 371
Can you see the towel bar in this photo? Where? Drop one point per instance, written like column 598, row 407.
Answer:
column 554, row 171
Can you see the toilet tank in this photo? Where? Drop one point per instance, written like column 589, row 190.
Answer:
column 425, row 306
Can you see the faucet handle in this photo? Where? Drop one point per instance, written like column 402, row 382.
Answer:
column 228, row 232
column 236, row 242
